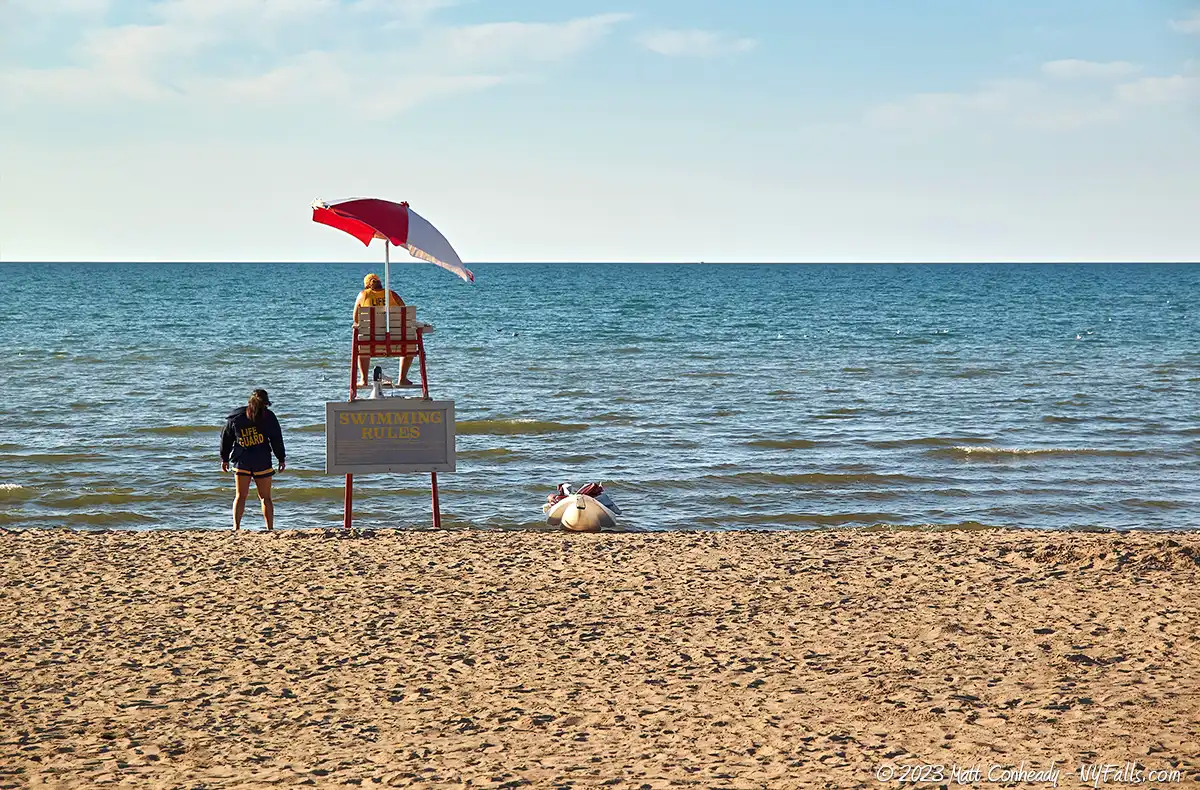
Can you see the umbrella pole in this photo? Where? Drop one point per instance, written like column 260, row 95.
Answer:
column 348, row 498
column 387, row 287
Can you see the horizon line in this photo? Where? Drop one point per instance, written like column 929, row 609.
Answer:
column 867, row 262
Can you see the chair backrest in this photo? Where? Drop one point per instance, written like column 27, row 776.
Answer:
column 372, row 323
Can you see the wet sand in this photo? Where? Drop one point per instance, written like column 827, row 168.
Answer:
column 499, row 659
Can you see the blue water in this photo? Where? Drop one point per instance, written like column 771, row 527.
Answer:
column 704, row 396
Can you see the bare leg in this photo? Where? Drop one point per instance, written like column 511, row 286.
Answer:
column 404, row 370
column 363, row 363
column 264, row 493
column 239, row 498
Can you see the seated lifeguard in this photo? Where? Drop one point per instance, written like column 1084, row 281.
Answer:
column 373, row 296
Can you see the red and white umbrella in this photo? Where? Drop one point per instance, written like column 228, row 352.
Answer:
column 371, row 218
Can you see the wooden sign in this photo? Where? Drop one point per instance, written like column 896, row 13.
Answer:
column 389, row 435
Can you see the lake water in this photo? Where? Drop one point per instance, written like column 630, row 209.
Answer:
column 703, row 396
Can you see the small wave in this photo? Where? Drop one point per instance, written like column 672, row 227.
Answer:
column 364, row 494
column 779, row 393
column 101, row 498
column 961, row 526
column 178, row 430
column 318, row 428
column 15, row 492
column 203, row 494
column 926, row 441
column 977, row 373
column 110, row 518
column 491, row 452
column 793, row 519
column 710, row 374
column 49, row 458
column 310, row 493
column 813, row 479
column 293, row 471
column 991, row 453
column 859, row 371
column 952, row 492
column 569, row 394
column 628, row 350
column 514, row 427
column 783, row 444
column 1064, row 420
column 1153, row 504
column 576, row 459
column 615, row 418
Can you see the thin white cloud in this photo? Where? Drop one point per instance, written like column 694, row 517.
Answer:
column 1189, row 25
column 505, row 41
column 321, row 79
column 140, row 47
column 695, row 43
column 1087, row 69
column 210, row 11
column 296, row 51
column 56, row 7
column 1068, row 94
column 78, row 86
column 1023, row 103
column 404, row 8
column 1176, row 88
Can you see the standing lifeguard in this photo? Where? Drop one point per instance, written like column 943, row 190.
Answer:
column 372, row 295
column 251, row 435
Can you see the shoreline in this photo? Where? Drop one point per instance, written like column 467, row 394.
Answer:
column 252, row 524
column 486, row 658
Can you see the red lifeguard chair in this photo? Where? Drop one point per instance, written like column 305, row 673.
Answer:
column 389, row 333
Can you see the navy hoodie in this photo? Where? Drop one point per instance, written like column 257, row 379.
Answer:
column 249, row 445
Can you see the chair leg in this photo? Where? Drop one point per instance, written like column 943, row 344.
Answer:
column 424, row 374
column 354, row 364
column 437, row 505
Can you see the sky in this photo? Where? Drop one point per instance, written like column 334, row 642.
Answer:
column 604, row 130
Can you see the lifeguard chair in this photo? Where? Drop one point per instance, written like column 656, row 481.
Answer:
column 386, row 333
column 391, row 332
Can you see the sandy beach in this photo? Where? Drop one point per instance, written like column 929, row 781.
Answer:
column 505, row 659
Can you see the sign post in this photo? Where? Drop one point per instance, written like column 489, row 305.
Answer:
column 389, row 435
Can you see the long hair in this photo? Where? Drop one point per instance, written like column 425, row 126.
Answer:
column 257, row 405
